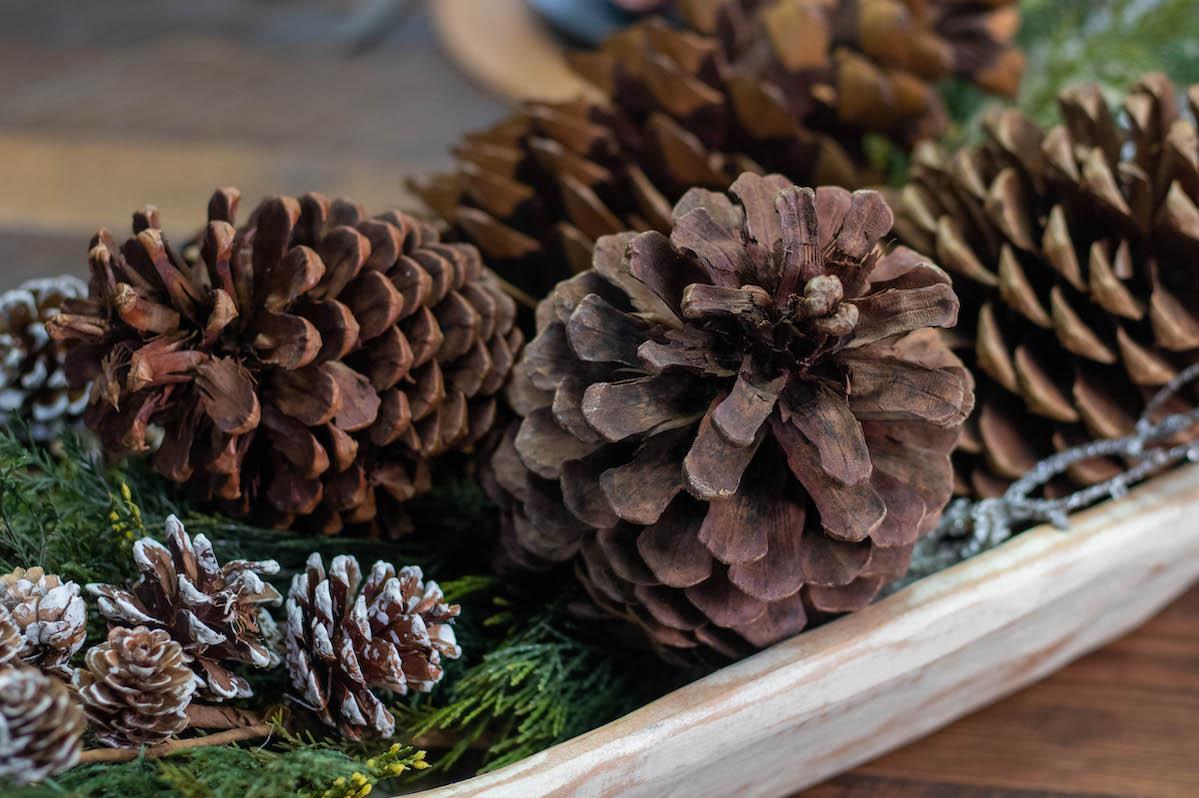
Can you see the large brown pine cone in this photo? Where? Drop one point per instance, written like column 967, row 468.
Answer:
column 305, row 367
column 135, row 687
column 49, row 615
column 41, row 725
column 682, row 109
column 342, row 644
column 216, row 613
column 1074, row 251
column 741, row 426
column 33, row 387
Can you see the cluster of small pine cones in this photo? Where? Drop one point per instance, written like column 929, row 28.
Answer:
column 176, row 633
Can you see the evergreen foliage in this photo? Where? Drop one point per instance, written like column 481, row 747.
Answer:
column 529, row 677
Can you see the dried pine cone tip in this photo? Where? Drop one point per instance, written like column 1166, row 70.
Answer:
column 215, row 612
column 739, row 423
column 342, row 641
column 1072, row 247
column 47, row 614
column 41, row 726
column 305, row 366
column 33, row 386
column 135, row 687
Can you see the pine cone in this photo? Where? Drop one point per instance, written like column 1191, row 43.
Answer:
column 33, row 387
column 685, row 109
column 742, row 426
column 135, row 687
column 535, row 191
column 41, row 726
column 1073, row 251
column 342, row 643
column 868, row 65
column 305, row 367
column 214, row 612
column 48, row 614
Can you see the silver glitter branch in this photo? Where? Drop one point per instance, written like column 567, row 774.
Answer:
column 969, row 528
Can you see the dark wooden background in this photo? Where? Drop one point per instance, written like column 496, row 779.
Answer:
column 105, row 106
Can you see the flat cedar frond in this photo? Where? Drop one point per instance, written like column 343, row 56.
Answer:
column 539, row 687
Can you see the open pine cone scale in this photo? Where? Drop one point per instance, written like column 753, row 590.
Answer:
column 738, row 424
column 306, row 366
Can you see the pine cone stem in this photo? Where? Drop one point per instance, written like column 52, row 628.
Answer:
column 94, row 755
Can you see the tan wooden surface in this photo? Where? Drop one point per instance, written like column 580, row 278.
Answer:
column 104, row 107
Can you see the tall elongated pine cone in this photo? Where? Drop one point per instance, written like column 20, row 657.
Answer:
column 216, row 613
column 33, row 386
column 342, row 644
column 535, row 191
column 742, row 426
column 41, row 726
column 868, row 65
column 48, row 614
column 682, row 109
column 135, row 687
column 1075, row 251
column 305, row 368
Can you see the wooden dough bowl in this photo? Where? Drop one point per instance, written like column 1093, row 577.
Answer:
column 826, row 701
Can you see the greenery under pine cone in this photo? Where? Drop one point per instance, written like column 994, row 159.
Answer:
column 33, row 387
column 41, row 726
column 741, row 427
column 682, row 109
column 1075, row 252
column 305, row 368
column 216, row 613
column 343, row 644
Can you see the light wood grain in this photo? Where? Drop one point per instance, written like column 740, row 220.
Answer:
column 504, row 47
column 831, row 699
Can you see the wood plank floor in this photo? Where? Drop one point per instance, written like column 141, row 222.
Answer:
column 105, row 107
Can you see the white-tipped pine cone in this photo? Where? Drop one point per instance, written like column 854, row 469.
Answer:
column 341, row 643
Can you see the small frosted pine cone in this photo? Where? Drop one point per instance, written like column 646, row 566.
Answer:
column 41, row 725
column 49, row 614
column 1074, row 252
column 216, row 613
column 33, row 385
column 305, row 368
column 135, row 687
column 342, row 643
column 741, row 427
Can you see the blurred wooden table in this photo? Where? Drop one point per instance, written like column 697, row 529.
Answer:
column 104, row 107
